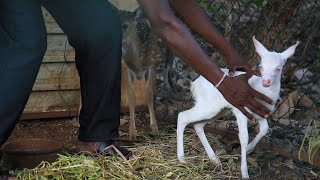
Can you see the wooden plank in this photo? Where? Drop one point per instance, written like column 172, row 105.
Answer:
column 58, row 42
column 46, row 96
column 57, row 76
column 58, row 113
column 127, row 5
column 53, row 28
column 65, row 113
column 59, row 56
column 47, row 16
column 44, row 101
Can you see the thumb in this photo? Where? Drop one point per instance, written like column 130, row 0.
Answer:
column 249, row 74
column 231, row 72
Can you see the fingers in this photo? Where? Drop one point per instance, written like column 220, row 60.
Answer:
column 259, row 111
column 231, row 72
column 262, row 97
column 249, row 74
column 244, row 68
column 246, row 113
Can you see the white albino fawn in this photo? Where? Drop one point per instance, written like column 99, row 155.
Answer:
column 140, row 53
column 211, row 105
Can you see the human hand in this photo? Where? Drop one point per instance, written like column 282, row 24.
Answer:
column 240, row 94
column 236, row 62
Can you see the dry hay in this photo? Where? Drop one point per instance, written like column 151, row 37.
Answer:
column 154, row 160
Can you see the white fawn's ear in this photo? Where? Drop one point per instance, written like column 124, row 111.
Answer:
column 260, row 49
column 289, row 52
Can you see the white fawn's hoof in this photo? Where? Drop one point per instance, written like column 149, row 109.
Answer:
column 182, row 160
column 216, row 162
column 245, row 174
column 249, row 151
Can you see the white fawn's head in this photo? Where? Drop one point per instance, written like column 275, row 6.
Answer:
column 272, row 62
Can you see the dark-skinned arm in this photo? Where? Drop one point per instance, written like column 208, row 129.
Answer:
column 199, row 22
column 182, row 43
column 179, row 39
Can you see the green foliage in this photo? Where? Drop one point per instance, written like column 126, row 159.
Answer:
column 256, row 2
column 314, row 141
column 208, row 6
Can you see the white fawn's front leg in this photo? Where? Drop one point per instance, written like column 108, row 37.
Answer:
column 132, row 105
column 263, row 130
column 200, row 132
column 242, row 122
column 149, row 94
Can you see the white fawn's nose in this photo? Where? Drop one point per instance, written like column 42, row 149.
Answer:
column 266, row 83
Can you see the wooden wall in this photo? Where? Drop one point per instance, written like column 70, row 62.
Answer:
column 56, row 90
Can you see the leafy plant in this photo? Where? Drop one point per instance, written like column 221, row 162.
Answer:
column 314, row 141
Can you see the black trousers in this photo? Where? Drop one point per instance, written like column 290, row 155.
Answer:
column 94, row 31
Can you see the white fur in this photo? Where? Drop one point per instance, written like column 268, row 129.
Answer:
column 211, row 105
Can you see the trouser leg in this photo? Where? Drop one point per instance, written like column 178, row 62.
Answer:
column 22, row 46
column 93, row 29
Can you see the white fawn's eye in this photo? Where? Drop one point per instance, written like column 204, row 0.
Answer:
column 258, row 70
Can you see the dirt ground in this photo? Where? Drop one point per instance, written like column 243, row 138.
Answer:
column 64, row 130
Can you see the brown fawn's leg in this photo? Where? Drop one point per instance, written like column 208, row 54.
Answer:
column 132, row 104
column 149, row 93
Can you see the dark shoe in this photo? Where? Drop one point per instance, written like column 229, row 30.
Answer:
column 4, row 174
column 109, row 149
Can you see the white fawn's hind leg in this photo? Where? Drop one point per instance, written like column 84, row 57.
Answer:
column 242, row 122
column 132, row 105
column 192, row 115
column 181, row 125
column 263, row 130
column 200, row 132
column 149, row 94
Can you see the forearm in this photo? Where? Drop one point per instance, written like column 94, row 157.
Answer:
column 183, row 44
column 199, row 22
column 181, row 41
